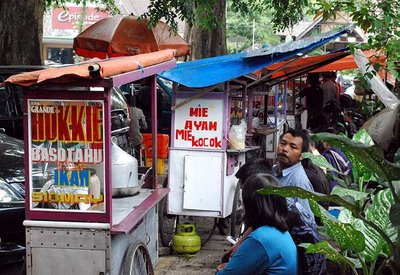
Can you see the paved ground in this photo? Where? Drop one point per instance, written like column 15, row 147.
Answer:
column 204, row 262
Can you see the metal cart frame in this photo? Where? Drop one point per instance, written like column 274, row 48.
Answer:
column 120, row 238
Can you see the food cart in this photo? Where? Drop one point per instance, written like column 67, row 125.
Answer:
column 74, row 223
column 203, row 160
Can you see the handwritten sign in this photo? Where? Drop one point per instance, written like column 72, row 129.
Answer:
column 199, row 124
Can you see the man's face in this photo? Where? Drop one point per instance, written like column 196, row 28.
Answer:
column 289, row 150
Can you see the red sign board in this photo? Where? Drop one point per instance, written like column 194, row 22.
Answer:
column 69, row 18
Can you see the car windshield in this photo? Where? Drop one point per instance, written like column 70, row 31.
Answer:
column 7, row 194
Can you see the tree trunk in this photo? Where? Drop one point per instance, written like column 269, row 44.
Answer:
column 21, row 32
column 209, row 42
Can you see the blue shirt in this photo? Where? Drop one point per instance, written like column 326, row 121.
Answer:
column 295, row 176
column 265, row 250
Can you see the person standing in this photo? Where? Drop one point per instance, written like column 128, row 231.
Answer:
column 337, row 78
column 329, row 88
column 314, row 98
column 137, row 124
column 144, row 103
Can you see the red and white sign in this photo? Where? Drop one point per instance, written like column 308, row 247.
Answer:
column 198, row 124
column 70, row 17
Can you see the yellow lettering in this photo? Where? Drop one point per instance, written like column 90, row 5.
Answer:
column 37, row 197
column 45, row 197
column 81, row 198
column 94, row 200
column 67, row 198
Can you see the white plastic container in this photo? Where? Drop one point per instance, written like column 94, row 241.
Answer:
column 125, row 180
column 94, row 187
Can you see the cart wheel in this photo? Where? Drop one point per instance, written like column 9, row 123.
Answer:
column 166, row 223
column 137, row 261
column 237, row 225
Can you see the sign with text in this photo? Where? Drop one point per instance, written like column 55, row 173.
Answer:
column 66, row 158
column 70, row 17
column 199, row 124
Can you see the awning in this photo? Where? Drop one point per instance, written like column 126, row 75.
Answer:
column 305, row 64
column 337, row 61
column 215, row 70
column 348, row 62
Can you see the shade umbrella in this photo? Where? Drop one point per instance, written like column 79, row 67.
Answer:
column 126, row 35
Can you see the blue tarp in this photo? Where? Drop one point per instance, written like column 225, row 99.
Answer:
column 211, row 71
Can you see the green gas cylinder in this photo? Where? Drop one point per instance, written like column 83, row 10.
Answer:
column 186, row 241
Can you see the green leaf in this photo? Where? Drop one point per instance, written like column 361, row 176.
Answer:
column 371, row 157
column 325, row 248
column 320, row 161
column 342, row 192
column 292, row 191
column 344, row 234
column 378, row 214
column 363, row 137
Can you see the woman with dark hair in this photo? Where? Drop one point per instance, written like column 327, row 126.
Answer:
column 269, row 248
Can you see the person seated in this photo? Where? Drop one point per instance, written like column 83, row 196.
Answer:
column 336, row 158
column 351, row 127
column 269, row 248
column 301, row 228
column 334, row 111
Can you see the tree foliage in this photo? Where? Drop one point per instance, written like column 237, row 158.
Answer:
column 108, row 4
column 240, row 27
column 200, row 11
column 379, row 19
column 285, row 13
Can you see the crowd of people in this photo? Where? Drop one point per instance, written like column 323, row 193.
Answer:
column 328, row 107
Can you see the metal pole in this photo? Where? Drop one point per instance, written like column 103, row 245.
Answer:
column 254, row 32
column 154, row 123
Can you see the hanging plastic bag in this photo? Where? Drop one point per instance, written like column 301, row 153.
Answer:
column 237, row 135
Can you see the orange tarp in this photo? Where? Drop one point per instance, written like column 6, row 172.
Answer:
column 340, row 61
column 291, row 66
column 108, row 68
column 348, row 62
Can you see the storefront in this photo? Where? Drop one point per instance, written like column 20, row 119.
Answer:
column 60, row 26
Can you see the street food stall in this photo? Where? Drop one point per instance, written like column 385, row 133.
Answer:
column 93, row 210
column 203, row 159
